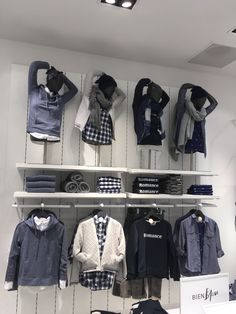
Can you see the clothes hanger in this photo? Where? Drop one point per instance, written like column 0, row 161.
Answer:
column 155, row 215
column 199, row 214
column 99, row 211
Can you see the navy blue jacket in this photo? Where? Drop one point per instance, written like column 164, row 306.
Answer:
column 148, row 132
column 45, row 111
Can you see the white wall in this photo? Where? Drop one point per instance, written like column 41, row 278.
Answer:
column 220, row 136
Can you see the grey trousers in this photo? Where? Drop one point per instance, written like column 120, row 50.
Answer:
column 138, row 288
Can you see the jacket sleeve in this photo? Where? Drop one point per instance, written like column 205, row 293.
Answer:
column 182, row 240
column 173, row 260
column 138, row 93
column 213, row 104
column 13, row 260
column 78, row 245
column 132, row 250
column 122, row 271
column 219, row 250
column 165, row 99
column 64, row 258
column 33, row 71
column 72, row 90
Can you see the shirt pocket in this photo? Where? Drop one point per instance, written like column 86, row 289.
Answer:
column 210, row 239
column 191, row 236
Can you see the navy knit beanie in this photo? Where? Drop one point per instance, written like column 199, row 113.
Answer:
column 198, row 92
column 105, row 81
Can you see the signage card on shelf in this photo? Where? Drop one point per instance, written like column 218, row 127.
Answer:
column 195, row 292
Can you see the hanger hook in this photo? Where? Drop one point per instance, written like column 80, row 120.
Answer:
column 42, row 205
column 101, row 205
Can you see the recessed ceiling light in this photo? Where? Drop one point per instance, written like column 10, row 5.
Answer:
column 111, row 1
column 127, row 4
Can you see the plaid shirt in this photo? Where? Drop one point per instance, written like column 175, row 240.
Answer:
column 98, row 280
column 101, row 136
column 109, row 184
column 101, row 229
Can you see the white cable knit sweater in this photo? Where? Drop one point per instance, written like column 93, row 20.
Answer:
column 86, row 249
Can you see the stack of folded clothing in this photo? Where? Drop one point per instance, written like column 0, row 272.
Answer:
column 200, row 190
column 75, row 183
column 41, row 184
column 109, row 184
column 146, row 185
column 172, row 184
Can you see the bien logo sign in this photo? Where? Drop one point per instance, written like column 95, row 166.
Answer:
column 206, row 296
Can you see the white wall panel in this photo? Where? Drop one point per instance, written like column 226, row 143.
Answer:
column 123, row 152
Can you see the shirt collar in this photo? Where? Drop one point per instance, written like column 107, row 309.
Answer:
column 98, row 220
column 205, row 220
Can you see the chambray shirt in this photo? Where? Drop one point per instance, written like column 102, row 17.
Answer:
column 190, row 248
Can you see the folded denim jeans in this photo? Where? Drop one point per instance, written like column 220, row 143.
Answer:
column 41, row 177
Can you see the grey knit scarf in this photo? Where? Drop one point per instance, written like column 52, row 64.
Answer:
column 97, row 100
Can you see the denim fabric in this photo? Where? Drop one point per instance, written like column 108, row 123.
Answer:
column 189, row 246
column 41, row 184
column 42, row 177
column 45, row 111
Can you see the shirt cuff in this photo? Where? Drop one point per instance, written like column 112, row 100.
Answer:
column 220, row 253
column 62, row 284
column 8, row 285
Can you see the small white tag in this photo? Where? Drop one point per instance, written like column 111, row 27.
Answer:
column 199, row 219
column 151, row 221
column 100, row 219
column 135, row 306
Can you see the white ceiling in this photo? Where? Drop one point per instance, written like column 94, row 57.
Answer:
column 164, row 32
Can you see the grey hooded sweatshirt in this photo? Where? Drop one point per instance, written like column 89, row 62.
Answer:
column 37, row 258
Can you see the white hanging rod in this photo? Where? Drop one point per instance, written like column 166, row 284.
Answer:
column 42, row 205
column 101, row 205
column 150, row 205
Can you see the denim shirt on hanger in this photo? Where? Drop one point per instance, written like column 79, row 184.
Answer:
column 190, row 246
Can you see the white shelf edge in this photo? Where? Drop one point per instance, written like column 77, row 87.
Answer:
column 63, row 195
column 23, row 166
column 171, row 197
column 181, row 172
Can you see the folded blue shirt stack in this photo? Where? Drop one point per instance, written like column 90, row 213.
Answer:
column 41, row 184
column 200, row 190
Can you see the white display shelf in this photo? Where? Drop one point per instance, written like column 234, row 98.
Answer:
column 25, row 166
column 63, row 195
column 171, row 197
column 178, row 172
